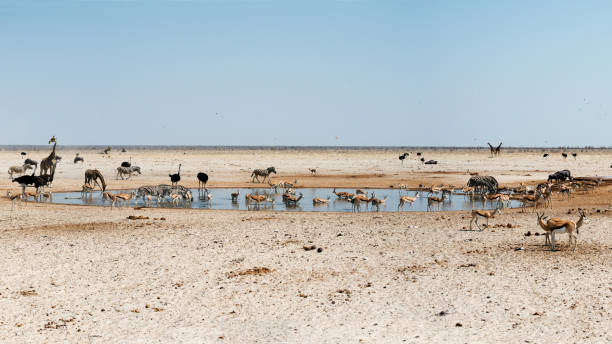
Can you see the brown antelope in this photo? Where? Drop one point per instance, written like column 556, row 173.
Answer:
column 556, row 225
column 125, row 197
column 432, row 199
column 407, row 199
column 356, row 202
column 111, row 197
column 256, row 198
column 14, row 198
column 343, row 194
column 377, row 201
column 318, row 200
column 483, row 213
column 291, row 199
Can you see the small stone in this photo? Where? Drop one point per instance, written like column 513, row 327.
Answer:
column 319, row 250
column 458, row 324
column 442, row 313
column 528, row 233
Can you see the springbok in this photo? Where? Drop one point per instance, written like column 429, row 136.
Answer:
column 483, row 213
column 556, row 225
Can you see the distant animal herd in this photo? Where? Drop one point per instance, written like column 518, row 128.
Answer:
column 485, row 187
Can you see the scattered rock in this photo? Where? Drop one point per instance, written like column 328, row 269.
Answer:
column 458, row 324
column 253, row 271
column 528, row 233
column 467, row 265
column 538, row 313
column 442, row 313
column 30, row 292
column 319, row 250
column 309, row 248
column 139, row 217
column 536, row 234
column 492, row 273
column 519, row 249
column 162, row 218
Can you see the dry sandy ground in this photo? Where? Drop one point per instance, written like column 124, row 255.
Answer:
column 89, row 275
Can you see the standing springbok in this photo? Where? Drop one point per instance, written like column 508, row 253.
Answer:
column 432, row 199
column 483, row 213
column 556, row 225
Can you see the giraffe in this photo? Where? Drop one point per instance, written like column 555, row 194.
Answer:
column 48, row 164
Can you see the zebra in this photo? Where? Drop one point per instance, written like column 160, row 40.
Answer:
column 121, row 171
column 262, row 173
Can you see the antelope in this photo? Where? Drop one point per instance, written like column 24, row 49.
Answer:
column 432, row 199
column 292, row 200
column 14, row 198
column 468, row 190
column 376, row 201
column 359, row 192
column 256, row 198
column 86, row 189
column 318, row 200
column 407, row 199
column 434, row 189
column 343, row 194
column 356, row 204
column 483, row 213
column 235, row 196
column 112, row 198
column 489, row 197
column 557, row 225
column 472, row 173
column 45, row 195
column 126, row 197
column 503, row 200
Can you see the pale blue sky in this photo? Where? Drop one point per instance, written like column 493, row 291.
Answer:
column 407, row 73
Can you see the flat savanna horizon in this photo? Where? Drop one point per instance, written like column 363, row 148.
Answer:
column 89, row 274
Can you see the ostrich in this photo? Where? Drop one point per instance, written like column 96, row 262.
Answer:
column 175, row 178
column 564, row 155
column 37, row 181
column 419, row 153
column 23, row 154
column 574, row 155
column 202, row 180
column 127, row 163
column 402, row 157
column 422, row 160
column 545, row 155
column 78, row 158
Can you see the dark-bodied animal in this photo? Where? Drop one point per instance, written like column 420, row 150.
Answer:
column 262, row 173
column 202, row 179
column 47, row 165
column 560, row 176
column 431, row 162
column 564, row 155
column 78, row 158
column 545, row 155
column 403, row 156
column 175, row 178
column 94, row 176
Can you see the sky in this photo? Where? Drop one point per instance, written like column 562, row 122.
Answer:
column 348, row 73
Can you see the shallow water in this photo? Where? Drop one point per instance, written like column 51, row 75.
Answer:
column 222, row 200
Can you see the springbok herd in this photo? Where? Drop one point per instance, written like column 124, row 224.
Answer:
column 485, row 188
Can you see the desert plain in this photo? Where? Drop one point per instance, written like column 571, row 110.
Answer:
column 84, row 274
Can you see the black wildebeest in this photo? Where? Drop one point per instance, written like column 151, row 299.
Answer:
column 545, row 155
column 560, row 176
